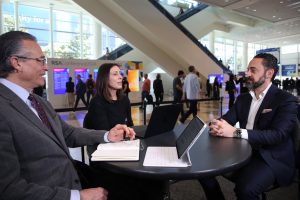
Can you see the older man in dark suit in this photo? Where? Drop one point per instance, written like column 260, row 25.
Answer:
column 267, row 116
column 35, row 160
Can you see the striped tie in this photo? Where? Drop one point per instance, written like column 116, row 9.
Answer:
column 39, row 109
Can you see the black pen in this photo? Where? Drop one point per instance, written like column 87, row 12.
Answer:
column 124, row 137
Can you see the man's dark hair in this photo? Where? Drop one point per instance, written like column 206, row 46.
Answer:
column 11, row 44
column 191, row 68
column 180, row 72
column 102, row 87
column 269, row 62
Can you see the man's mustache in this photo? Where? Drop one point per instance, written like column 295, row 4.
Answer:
column 249, row 79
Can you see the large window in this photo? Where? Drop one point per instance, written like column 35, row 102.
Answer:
column 73, row 33
column 37, row 24
column 8, row 17
column 110, row 40
column 66, row 35
column 220, row 49
column 289, row 49
column 88, row 37
column 204, row 41
column 239, row 56
column 229, row 53
column 252, row 48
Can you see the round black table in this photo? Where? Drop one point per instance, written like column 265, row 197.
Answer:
column 210, row 156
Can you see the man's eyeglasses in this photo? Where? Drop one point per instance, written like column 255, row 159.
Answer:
column 43, row 61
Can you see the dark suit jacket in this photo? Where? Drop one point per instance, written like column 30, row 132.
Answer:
column 35, row 162
column 271, row 133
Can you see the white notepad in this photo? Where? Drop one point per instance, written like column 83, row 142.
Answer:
column 118, row 151
column 163, row 157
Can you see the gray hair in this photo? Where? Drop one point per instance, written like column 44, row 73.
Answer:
column 11, row 44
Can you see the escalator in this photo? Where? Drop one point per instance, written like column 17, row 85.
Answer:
column 125, row 48
column 177, row 23
column 155, row 34
column 117, row 53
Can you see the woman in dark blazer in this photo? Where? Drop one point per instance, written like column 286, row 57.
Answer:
column 110, row 106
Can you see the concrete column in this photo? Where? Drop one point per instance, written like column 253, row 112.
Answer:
column 51, row 30
column 97, row 44
column 245, row 56
column 235, row 68
column 16, row 5
column 80, row 33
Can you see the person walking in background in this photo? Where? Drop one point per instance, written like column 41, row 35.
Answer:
column 277, row 82
column 243, row 84
column 177, row 89
column 158, row 89
column 70, row 92
column 90, row 86
column 208, row 88
column 191, row 88
column 298, row 86
column 80, row 92
column 145, row 89
column 231, row 89
column 125, row 86
column 107, row 53
column 216, row 88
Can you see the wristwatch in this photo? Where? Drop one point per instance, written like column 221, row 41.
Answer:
column 237, row 133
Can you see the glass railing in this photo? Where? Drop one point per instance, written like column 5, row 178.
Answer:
column 165, row 6
column 116, row 53
column 188, row 34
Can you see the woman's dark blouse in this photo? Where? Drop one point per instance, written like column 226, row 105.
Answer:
column 103, row 115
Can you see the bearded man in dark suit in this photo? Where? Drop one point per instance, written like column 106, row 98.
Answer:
column 267, row 116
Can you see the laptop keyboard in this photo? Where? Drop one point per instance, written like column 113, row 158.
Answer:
column 163, row 157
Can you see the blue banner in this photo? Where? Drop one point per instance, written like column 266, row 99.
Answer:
column 288, row 70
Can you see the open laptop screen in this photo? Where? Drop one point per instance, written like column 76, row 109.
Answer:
column 189, row 136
